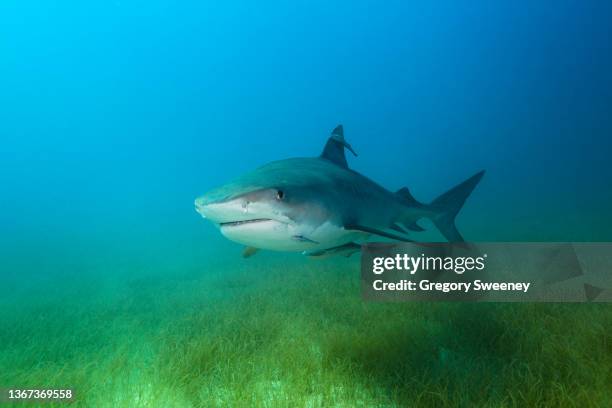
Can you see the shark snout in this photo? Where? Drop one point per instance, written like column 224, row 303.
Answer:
column 221, row 211
column 215, row 211
column 200, row 206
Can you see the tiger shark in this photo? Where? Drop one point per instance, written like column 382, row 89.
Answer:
column 320, row 207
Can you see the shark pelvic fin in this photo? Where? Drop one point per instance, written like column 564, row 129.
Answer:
column 398, row 227
column 334, row 148
column 378, row 232
column 404, row 228
column 302, row 238
column 415, row 227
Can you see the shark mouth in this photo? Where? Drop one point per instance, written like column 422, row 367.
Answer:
column 236, row 223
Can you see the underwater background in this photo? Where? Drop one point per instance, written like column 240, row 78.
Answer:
column 115, row 115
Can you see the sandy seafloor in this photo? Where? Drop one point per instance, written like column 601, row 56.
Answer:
column 127, row 326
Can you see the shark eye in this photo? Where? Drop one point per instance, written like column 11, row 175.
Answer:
column 280, row 194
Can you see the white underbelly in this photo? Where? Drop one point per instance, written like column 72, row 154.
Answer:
column 281, row 236
column 330, row 235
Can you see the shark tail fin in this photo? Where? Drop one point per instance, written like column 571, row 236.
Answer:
column 448, row 205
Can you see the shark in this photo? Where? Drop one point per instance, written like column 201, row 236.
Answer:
column 320, row 207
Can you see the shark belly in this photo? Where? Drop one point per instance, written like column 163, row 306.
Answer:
column 330, row 235
column 282, row 236
column 266, row 234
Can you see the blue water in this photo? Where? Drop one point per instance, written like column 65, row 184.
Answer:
column 115, row 115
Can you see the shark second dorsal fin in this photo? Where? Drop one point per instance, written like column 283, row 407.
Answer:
column 406, row 196
column 334, row 148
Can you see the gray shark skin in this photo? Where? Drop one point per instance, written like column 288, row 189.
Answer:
column 319, row 206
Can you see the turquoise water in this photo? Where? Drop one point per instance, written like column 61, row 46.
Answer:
column 116, row 115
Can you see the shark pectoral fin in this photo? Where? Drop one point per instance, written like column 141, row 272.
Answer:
column 249, row 251
column 378, row 232
column 302, row 238
column 314, row 254
column 345, row 250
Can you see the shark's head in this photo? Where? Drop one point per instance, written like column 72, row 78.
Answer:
column 287, row 205
column 266, row 209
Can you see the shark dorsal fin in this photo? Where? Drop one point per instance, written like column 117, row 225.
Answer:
column 334, row 148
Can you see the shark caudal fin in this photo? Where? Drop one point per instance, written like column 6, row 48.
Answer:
column 449, row 204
